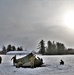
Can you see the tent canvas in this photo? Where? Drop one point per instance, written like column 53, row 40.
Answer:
column 26, row 62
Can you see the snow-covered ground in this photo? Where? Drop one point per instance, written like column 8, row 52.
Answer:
column 52, row 66
column 18, row 52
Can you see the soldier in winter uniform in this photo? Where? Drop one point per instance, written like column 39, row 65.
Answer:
column 0, row 59
column 14, row 60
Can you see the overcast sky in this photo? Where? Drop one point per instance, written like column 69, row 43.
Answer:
column 26, row 22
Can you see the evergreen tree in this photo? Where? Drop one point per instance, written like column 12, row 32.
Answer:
column 9, row 48
column 54, row 50
column 4, row 49
column 49, row 48
column 60, row 48
column 19, row 49
column 42, row 47
column 13, row 48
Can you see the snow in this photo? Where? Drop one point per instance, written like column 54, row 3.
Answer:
column 18, row 52
column 52, row 66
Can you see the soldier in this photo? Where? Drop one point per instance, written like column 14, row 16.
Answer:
column 61, row 62
column 14, row 60
column 0, row 59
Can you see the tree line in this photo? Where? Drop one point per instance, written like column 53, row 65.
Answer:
column 52, row 48
column 11, row 48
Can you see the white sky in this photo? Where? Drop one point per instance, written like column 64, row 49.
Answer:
column 26, row 22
